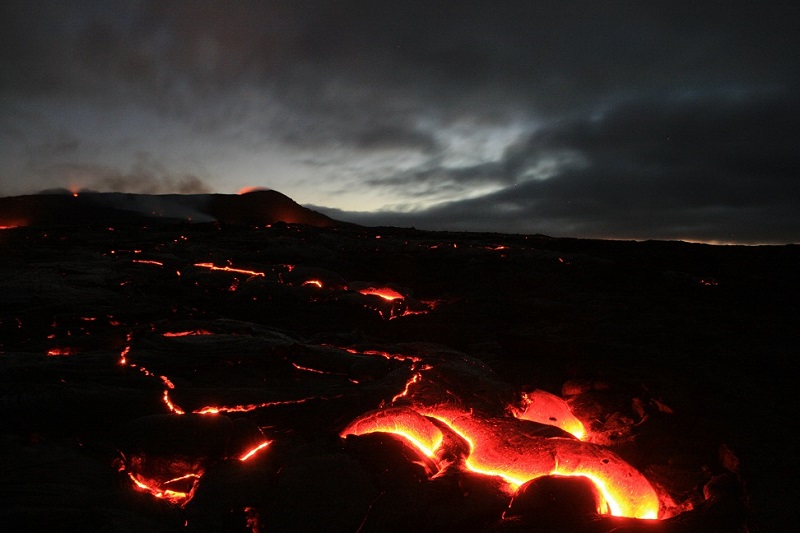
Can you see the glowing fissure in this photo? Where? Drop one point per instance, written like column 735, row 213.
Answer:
column 499, row 448
column 156, row 489
column 250, row 453
column 212, row 266
column 212, row 410
column 148, row 262
column 315, row 371
column 171, row 406
column 379, row 353
column 414, row 379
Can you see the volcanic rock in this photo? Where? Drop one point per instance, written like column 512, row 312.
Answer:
column 108, row 332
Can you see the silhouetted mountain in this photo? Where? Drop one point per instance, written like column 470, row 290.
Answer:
column 94, row 208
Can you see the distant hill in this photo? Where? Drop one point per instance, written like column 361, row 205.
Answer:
column 64, row 208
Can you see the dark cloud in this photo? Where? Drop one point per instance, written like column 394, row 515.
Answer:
column 722, row 168
column 624, row 118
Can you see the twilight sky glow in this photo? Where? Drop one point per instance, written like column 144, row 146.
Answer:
column 630, row 120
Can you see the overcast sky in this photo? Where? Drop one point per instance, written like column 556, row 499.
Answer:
column 643, row 119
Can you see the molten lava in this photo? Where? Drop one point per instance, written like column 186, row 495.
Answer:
column 384, row 292
column 401, row 421
column 499, row 447
column 546, row 408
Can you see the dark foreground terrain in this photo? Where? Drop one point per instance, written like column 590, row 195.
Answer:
column 198, row 377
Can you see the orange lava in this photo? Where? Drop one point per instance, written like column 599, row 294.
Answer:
column 499, row 447
column 546, row 408
column 313, row 282
column 401, row 421
column 384, row 292
column 147, row 262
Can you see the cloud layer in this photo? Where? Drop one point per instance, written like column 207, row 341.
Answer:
column 628, row 120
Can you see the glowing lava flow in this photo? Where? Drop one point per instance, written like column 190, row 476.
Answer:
column 501, row 448
column 546, row 408
column 406, row 423
column 384, row 292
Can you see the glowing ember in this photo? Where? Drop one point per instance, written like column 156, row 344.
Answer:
column 384, row 292
column 313, row 282
column 61, row 352
column 546, row 408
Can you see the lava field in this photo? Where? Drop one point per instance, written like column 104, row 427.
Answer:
column 289, row 377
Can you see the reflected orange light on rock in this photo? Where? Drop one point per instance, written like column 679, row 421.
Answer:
column 250, row 188
column 499, row 447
